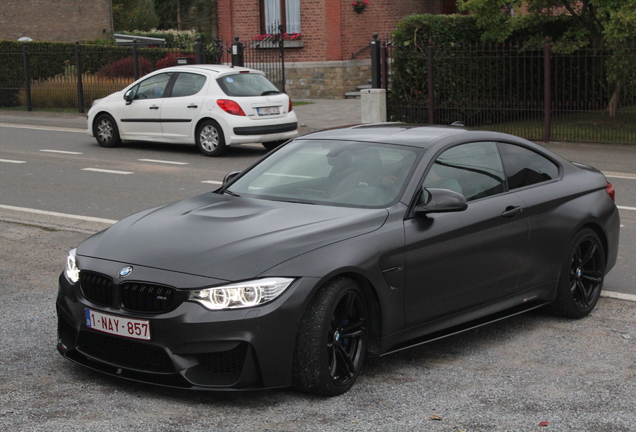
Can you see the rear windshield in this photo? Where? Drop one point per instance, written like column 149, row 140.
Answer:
column 246, row 84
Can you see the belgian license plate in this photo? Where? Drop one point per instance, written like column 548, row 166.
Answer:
column 120, row 326
column 267, row 111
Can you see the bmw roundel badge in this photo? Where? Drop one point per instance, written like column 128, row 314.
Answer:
column 125, row 271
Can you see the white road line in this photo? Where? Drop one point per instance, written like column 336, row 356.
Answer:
column 620, row 175
column 48, row 213
column 617, row 295
column 212, row 182
column 107, row 171
column 625, row 208
column 61, row 151
column 163, row 162
column 12, row 161
column 44, row 128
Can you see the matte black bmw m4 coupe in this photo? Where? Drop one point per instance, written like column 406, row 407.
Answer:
column 338, row 245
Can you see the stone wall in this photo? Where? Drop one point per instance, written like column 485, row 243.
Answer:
column 325, row 80
column 55, row 20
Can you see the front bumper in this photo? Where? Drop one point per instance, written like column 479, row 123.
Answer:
column 191, row 347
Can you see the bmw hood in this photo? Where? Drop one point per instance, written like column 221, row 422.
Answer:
column 226, row 237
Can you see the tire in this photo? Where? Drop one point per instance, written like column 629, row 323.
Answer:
column 271, row 145
column 582, row 275
column 210, row 139
column 106, row 131
column 332, row 340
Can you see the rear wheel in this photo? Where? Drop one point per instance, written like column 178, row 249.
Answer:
column 332, row 340
column 210, row 139
column 582, row 276
column 106, row 131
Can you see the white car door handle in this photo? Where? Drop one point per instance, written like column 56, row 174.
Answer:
column 192, row 106
column 154, row 107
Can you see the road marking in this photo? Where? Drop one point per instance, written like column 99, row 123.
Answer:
column 212, row 182
column 107, row 171
column 625, row 208
column 620, row 175
column 49, row 213
column 163, row 162
column 12, row 161
column 62, row 152
column 617, row 295
column 44, row 128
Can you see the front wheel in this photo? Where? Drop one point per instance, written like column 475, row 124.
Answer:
column 332, row 340
column 106, row 131
column 582, row 276
column 210, row 140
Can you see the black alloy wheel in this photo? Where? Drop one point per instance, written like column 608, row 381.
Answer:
column 332, row 340
column 582, row 276
column 106, row 131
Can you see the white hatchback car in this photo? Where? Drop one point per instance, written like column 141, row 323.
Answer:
column 210, row 106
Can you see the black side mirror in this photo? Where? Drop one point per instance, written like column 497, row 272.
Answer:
column 229, row 177
column 129, row 96
column 440, row 201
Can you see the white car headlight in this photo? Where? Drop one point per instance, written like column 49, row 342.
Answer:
column 71, row 272
column 242, row 294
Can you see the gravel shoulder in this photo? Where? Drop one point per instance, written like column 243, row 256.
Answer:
column 509, row 376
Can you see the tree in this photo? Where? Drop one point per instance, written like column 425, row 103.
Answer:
column 589, row 22
column 130, row 15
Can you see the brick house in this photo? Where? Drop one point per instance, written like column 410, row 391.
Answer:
column 332, row 31
column 59, row 20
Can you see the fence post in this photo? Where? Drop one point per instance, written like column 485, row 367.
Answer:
column 431, row 83
column 135, row 60
column 547, row 91
column 27, row 77
column 385, row 66
column 376, row 71
column 237, row 53
column 281, row 46
column 199, row 51
column 80, row 85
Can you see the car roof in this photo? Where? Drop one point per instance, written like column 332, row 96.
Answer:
column 210, row 68
column 422, row 136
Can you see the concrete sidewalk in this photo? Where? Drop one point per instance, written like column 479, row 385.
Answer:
column 317, row 114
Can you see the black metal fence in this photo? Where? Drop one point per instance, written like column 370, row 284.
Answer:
column 537, row 94
column 68, row 77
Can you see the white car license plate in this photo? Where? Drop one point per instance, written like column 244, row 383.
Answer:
column 132, row 328
column 267, row 111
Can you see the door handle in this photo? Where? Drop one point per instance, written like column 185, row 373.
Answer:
column 154, row 107
column 511, row 211
column 193, row 106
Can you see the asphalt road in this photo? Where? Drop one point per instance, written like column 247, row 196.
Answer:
column 509, row 376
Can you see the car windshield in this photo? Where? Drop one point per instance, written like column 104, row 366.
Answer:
column 329, row 172
column 246, row 84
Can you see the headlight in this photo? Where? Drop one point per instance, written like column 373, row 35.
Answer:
column 242, row 294
column 71, row 271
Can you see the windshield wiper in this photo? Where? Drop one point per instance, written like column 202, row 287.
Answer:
column 270, row 92
column 229, row 192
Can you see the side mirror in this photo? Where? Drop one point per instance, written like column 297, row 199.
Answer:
column 440, row 201
column 229, row 177
column 129, row 96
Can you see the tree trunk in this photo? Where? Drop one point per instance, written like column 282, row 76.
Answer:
column 612, row 106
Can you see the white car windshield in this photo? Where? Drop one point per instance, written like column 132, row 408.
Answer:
column 343, row 173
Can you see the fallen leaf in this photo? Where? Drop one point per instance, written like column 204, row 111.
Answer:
column 544, row 423
column 435, row 417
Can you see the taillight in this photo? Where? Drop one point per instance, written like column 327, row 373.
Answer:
column 290, row 107
column 611, row 191
column 230, row 107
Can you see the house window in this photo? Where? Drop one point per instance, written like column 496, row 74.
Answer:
column 277, row 12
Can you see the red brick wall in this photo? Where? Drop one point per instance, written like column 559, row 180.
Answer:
column 59, row 20
column 331, row 29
